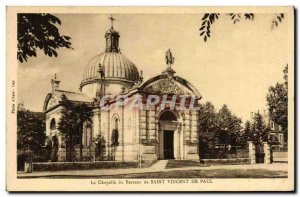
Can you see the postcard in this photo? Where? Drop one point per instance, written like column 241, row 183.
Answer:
column 163, row 99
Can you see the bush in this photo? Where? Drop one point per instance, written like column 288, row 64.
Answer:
column 226, row 161
column 225, row 154
column 20, row 161
column 62, row 166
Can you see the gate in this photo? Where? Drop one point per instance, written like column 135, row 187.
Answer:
column 259, row 153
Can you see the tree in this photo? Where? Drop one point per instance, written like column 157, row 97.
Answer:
column 225, row 124
column 39, row 31
column 30, row 130
column 66, row 127
column 100, row 147
column 229, row 127
column 74, row 115
column 209, row 18
column 218, row 128
column 248, row 135
column 253, row 132
column 235, row 130
column 207, row 124
column 277, row 101
column 259, row 129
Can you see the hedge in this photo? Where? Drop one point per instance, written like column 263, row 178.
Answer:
column 62, row 166
column 226, row 161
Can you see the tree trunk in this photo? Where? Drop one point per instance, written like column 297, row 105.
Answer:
column 68, row 155
column 69, row 152
column 80, row 138
column 70, row 149
column 225, row 142
column 220, row 142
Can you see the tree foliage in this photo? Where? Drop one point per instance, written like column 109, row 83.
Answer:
column 209, row 18
column 247, row 134
column 277, row 101
column 216, row 128
column 30, row 130
column 39, row 31
column 207, row 124
column 74, row 115
column 229, row 126
column 207, row 117
column 259, row 129
column 277, row 19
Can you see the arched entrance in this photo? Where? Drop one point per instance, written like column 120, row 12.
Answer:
column 169, row 136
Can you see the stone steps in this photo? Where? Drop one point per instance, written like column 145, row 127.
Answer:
column 161, row 164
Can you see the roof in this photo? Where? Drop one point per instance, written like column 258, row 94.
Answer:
column 72, row 96
column 145, row 86
column 115, row 65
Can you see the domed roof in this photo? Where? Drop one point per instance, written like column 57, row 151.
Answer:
column 116, row 66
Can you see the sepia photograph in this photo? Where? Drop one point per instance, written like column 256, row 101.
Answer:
column 150, row 99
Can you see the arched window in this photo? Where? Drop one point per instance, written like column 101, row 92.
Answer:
column 116, row 123
column 52, row 124
column 87, row 135
column 115, row 133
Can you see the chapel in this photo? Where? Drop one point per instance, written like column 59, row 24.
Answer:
column 129, row 134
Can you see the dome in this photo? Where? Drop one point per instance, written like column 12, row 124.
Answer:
column 116, row 67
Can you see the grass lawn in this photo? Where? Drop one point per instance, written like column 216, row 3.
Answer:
column 213, row 173
column 220, row 173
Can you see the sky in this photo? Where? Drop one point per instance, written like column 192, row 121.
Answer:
column 235, row 66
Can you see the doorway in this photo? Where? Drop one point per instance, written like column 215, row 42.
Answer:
column 170, row 138
column 168, row 144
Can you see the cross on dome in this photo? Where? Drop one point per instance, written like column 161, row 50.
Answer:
column 112, row 19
